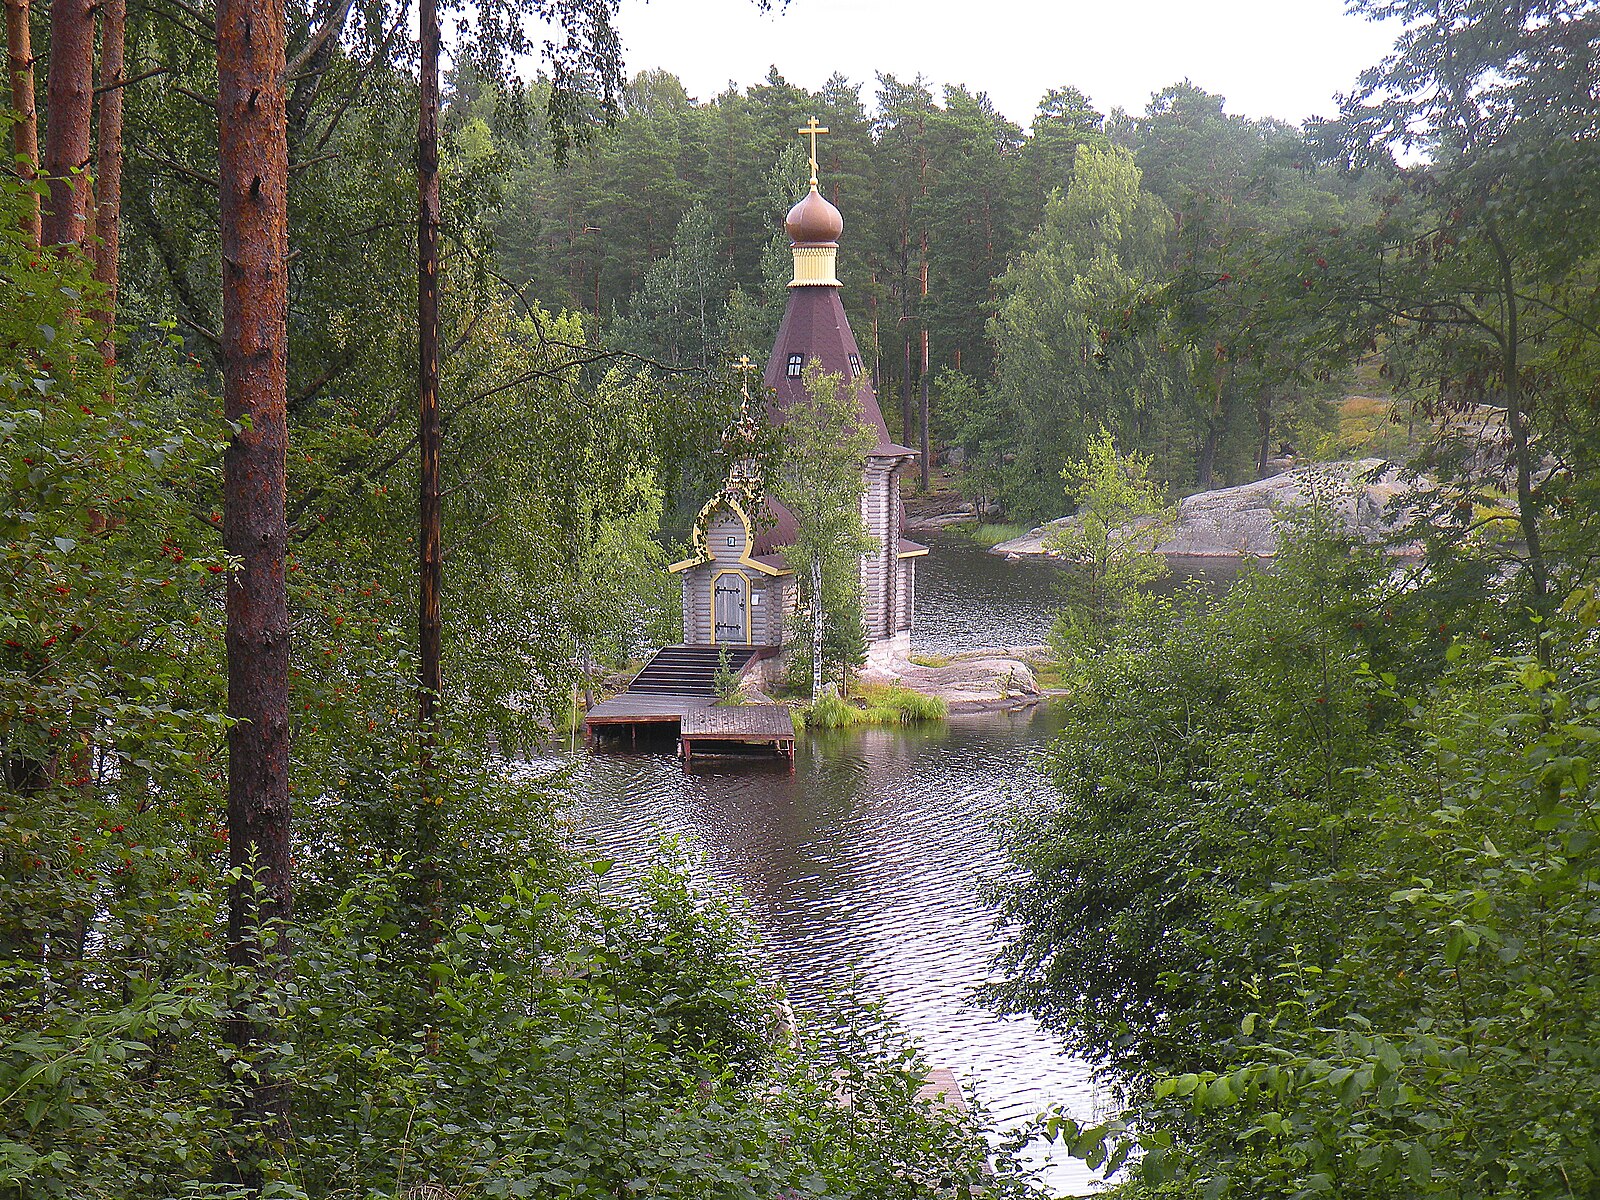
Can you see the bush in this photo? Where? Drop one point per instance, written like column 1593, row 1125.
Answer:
column 1317, row 890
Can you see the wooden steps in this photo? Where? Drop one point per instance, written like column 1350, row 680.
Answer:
column 689, row 670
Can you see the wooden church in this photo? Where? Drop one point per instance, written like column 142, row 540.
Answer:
column 738, row 587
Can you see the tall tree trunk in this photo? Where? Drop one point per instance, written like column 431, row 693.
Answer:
column 1517, row 427
column 430, row 567
column 1264, row 427
column 430, row 572
column 253, row 175
column 25, row 133
column 907, row 421
column 922, row 424
column 108, row 169
column 1208, row 458
column 69, row 105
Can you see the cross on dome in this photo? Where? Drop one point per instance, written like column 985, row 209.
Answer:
column 814, row 222
column 811, row 129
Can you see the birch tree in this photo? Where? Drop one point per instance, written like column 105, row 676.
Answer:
column 821, row 481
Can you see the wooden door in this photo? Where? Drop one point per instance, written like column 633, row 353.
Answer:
column 730, row 612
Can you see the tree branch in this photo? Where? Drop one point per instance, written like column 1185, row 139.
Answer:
column 311, row 162
column 140, row 78
column 378, row 58
column 332, row 25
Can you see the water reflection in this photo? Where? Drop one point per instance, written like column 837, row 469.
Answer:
column 865, row 866
column 967, row 597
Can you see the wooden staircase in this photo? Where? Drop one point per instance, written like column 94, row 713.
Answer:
column 689, row 670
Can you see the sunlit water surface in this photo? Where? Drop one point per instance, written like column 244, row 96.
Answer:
column 866, row 866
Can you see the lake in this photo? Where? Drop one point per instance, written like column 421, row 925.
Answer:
column 867, row 864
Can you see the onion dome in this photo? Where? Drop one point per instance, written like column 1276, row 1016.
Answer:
column 813, row 221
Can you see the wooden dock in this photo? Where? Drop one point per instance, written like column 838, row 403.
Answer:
column 735, row 729
column 676, row 695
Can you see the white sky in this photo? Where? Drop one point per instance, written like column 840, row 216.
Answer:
column 1277, row 58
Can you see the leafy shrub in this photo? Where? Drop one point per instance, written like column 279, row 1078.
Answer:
column 1316, row 892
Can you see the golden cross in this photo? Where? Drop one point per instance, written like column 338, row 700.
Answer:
column 811, row 130
column 744, row 366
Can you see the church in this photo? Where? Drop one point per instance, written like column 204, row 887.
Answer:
column 738, row 586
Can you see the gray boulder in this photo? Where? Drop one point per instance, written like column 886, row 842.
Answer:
column 1367, row 497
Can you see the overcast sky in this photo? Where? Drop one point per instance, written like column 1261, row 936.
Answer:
column 1278, row 58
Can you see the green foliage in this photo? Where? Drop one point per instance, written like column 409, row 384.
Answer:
column 1210, row 753
column 725, row 679
column 1319, row 903
column 1110, row 543
column 1059, row 374
column 972, row 418
column 907, row 706
column 676, row 318
column 830, row 711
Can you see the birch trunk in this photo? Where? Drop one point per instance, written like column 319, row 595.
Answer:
column 816, row 627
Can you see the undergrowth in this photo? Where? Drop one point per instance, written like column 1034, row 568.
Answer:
column 871, row 704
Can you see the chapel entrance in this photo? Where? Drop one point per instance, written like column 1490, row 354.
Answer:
column 729, row 612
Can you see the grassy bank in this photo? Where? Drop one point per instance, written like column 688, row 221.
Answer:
column 988, row 533
column 870, row 704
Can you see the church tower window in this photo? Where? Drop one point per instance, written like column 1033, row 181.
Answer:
column 797, row 364
column 855, row 366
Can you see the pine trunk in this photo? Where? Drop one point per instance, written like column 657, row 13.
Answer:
column 1208, row 459
column 108, row 169
column 922, row 385
column 253, row 161
column 25, row 133
column 907, row 421
column 430, row 571
column 69, row 105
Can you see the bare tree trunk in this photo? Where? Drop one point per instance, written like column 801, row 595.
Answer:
column 1208, row 450
column 108, row 169
column 25, row 133
column 430, row 572
column 69, row 105
column 253, row 174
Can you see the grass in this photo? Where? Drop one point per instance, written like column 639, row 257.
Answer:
column 1050, row 676
column 931, row 660
column 988, row 534
column 871, row 704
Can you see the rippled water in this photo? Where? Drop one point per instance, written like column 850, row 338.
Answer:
column 868, row 861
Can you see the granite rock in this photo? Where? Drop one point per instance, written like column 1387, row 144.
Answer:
column 1368, row 497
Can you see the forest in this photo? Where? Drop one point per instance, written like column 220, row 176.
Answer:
column 354, row 408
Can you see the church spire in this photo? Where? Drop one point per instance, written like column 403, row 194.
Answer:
column 814, row 227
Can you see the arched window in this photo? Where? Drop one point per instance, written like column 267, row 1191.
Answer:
column 797, row 364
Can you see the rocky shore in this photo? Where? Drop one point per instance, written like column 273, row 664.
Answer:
column 989, row 679
column 1367, row 496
